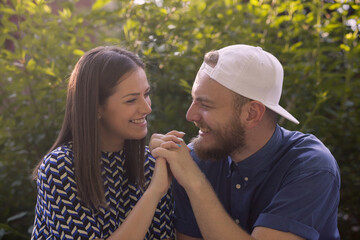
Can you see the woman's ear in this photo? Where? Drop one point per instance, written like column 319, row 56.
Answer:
column 100, row 112
column 253, row 112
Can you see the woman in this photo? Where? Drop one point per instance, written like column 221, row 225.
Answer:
column 95, row 181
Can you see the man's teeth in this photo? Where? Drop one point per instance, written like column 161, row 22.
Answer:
column 204, row 130
column 138, row 120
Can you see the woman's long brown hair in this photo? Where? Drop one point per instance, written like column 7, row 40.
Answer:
column 91, row 83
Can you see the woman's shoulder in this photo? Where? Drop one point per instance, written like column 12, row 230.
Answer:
column 60, row 157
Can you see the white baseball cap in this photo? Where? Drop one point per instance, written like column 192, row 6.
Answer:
column 252, row 73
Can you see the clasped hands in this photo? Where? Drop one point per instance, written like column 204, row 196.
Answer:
column 171, row 148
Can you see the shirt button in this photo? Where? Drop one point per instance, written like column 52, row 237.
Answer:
column 238, row 186
column 237, row 221
column 246, row 178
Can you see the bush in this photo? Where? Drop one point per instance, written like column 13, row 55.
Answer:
column 316, row 41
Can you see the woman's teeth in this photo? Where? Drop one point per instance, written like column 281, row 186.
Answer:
column 138, row 120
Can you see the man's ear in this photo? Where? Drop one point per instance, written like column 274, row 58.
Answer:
column 253, row 113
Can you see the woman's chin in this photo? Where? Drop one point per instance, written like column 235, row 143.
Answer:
column 138, row 137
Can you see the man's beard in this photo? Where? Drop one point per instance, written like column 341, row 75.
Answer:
column 227, row 140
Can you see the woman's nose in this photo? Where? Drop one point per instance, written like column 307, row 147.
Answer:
column 146, row 106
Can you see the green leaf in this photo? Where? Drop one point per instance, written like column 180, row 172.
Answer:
column 50, row 72
column 344, row 47
column 30, row 7
column 163, row 11
column 2, row 39
column 7, row 10
column 254, row 2
column 65, row 13
column 78, row 52
column 334, row 6
column 99, row 4
column 9, row 26
column 296, row 46
column 30, row 66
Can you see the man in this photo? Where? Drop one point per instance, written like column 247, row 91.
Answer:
column 246, row 177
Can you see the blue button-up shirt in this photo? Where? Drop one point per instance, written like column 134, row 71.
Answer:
column 291, row 184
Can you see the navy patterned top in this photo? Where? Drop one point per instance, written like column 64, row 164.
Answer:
column 59, row 213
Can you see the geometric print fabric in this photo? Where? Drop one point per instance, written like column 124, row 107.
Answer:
column 59, row 213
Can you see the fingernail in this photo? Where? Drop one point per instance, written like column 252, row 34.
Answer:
column 180, row 139
column 178, row 145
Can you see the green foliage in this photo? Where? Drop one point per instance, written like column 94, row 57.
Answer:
column 317, row 42
column 33, row 87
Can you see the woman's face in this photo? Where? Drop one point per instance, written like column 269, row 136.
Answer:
column 123, row 116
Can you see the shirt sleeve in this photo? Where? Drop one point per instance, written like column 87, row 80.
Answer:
column 306, row 201
column 59, row 212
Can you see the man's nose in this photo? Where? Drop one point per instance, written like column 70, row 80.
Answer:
column 192, row 114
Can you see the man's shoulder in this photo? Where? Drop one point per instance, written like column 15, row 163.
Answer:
column 308, row 151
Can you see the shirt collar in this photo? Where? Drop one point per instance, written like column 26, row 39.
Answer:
column 259, row 161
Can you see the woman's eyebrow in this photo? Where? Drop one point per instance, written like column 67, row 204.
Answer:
column 135, row 94
column 131, row 94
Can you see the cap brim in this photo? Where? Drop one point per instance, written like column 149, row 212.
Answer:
column 281, row 111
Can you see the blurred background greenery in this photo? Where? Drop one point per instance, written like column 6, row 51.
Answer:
column 317, row 41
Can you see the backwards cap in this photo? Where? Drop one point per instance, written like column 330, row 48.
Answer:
column 252, row 73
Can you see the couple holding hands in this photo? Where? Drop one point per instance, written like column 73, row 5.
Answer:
column 242, row 177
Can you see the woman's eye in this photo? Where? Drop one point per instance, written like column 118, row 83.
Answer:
column 131, row 100
column 147, row 94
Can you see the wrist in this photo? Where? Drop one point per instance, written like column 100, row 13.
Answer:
column 197, row 183
column 154, row 192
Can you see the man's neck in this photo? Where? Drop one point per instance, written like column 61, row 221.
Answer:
column 256, row 138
